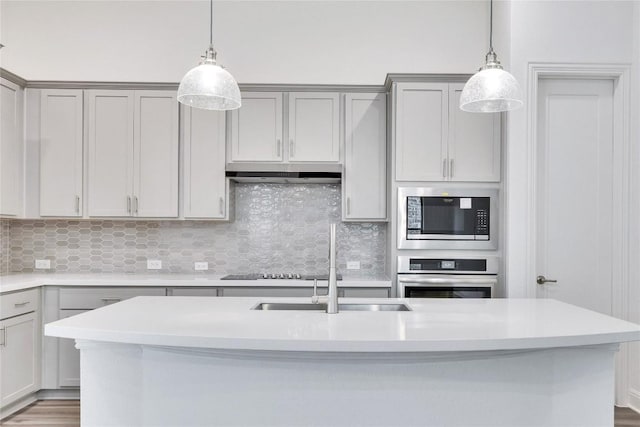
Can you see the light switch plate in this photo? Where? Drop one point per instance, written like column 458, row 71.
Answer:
column 154, row 264
column 43, row 264
column 200, row 266
column 353, row 265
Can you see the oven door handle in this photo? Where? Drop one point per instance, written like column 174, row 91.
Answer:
column 446, row 280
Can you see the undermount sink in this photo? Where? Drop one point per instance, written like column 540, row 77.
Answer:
column 323, row 307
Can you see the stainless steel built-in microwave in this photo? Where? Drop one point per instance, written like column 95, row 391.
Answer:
column 437, row 218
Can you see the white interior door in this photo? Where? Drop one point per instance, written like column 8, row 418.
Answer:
column 575, row 191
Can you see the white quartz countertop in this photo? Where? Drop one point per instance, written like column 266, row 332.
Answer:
column 433, row 325
column 16, row 282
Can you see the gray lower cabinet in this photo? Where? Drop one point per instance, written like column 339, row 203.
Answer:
column 266, row 292
column 19, row 347
column 68, row 356
column 61, row 358
column 193, row 292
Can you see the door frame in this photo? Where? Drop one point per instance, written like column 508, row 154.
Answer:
column 619, row 73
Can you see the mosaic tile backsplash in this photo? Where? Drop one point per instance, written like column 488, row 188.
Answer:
column 277, row 228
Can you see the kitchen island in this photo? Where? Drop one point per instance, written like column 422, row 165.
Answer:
column 216, row 361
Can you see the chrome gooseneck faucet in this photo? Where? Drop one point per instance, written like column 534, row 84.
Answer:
column 331, row 299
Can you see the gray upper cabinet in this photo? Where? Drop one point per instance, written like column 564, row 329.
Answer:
column 436, row 141
column 11, row 149
column 474, row 142
column 256, row 128
column 314, row 127
column 206, row 190
column 364, row 195
column 156, row 147
column 261, row 132
column 133, row 153
column 110, row 135
column 61, row 143
column 421, row 131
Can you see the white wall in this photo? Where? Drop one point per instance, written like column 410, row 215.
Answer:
column 570, row 32
column 346, row 42
column 634, row 277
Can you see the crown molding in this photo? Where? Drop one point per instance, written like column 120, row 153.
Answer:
column 14, row 78
column 423, row 78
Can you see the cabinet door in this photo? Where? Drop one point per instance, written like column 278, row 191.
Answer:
column 156, row 144
column 421, row 131
column 110, row 134
column 474, row 142
column 364, row 182
column 256, row 128
column 61, row 152
column 314, row 127
column 11, row 149
column 19, row 357
column 205, row 187
column 68, row 356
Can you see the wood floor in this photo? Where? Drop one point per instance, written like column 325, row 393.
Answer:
column 66, row 413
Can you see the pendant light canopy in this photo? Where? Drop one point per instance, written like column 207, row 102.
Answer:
column 492, row 89
column 209, row 86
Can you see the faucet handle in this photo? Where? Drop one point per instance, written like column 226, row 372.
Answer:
column 315, row 299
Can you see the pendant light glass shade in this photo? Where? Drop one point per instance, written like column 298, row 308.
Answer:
column 492, row 89
column 209, row 86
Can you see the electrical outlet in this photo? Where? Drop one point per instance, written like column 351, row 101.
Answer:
column 43, row 264
column 200, row 266
column 353, row 265
column 154, row 264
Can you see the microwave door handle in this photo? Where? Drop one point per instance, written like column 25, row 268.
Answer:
column 445, row 280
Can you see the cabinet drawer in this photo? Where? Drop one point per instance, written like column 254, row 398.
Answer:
column 17, row 303
column 266, row 292
column 194, row 292
column 90, row 298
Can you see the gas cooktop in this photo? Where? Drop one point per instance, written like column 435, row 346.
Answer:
column 275, row 276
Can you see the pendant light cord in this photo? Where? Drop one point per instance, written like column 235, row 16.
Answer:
column 211, row 23
column 491, row 27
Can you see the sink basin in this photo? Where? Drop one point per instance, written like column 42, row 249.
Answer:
column 322, row 307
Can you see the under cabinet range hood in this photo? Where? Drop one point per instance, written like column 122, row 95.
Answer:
column 312, row 173
column 285, row 177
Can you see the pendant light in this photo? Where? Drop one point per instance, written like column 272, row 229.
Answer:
column 491, row 89
column 209, row 85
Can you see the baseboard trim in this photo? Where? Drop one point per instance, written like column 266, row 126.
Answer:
column 59, row 394
column 634, row 400
column 19, row 404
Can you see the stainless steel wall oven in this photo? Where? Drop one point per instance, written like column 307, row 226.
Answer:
column 420, row 277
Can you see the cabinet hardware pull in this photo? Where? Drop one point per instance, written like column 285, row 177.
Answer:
column 221, row 206
column 451, row 168
column 111, row 299
column 348, row 205
column 292, row 148
column 20, row 304
column 129, row 204
column 278, row 147
column 4, row 337
column 135, row 204
column 444, row 168
column 77, row 204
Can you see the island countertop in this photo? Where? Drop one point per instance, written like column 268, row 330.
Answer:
column 432, row 325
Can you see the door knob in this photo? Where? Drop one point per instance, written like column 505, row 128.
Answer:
column 541, row 280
